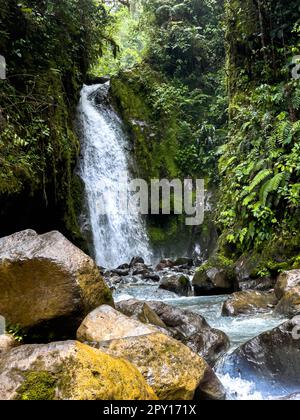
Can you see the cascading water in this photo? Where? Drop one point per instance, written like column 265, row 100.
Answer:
column 117, row 235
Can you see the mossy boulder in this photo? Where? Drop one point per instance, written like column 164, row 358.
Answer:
column 69, row 371
column 249, row 302
column 169, row 367
column 209, row 280
column 105, row 324
column 45, row 278
column 176, row 283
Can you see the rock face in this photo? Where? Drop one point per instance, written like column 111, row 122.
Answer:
column 271, row 361
column 7, row 342
column 213, row 281
column 45, row 277
column 178, row 284
column 287, row 289
column 170, row 368
column 249, row 302
column 105, row 323
column 69, row 371
column 189, row 328
column 287, row 281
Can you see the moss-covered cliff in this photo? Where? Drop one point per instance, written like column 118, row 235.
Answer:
column 48, row 47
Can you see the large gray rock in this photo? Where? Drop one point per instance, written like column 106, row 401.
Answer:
column 69, row 371
column 213, row 281
column 176, row 283
column 188, row 327
column 45, row 278
column 271, row 361
column 249, row 302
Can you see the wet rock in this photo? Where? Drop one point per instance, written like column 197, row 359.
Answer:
column 184, row 262
column 249, row 302
column 289, row 305
column 151, row 276
column 69, row 371
column 7, row 342
column 189, row 328
column 164, row 264
column 287, row 281
column 45, row 278
column 136, row 260
column 123, row 267
column 261, row 285
column 213, row 281
column 140, row 269
column 271, row 361
column 170, row 368
column 140, row 311
column 121, row 272
column 178, row 284
column 105, row 323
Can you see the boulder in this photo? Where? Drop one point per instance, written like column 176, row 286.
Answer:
column 140, row 269
column 140, row 311
column 287, row 281
column 289, row 305
column 176, row 283
column 69, row 371
column 213, row 281
column 44, row 278
column 249, row 302
column 261, row 285
column 164, row 264
column 271, row 361
column 7, row 342
column 189, row 328
column 136, row 260
column 105, row 323
column 170, row 368
column 187, row 262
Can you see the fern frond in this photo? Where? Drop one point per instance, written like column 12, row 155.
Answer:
column 260, row 177
column 272, row 186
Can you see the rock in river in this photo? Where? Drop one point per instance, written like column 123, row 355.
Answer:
column 45, row 278
column 69, row 371
column 271, row 361
column 249, row 302
column 176, row 283
column 287, row 289
column 213, row 281
column 188, row 327
column 169, row 367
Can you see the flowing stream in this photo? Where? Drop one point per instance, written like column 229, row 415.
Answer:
column 239, row 329
column 117, row 235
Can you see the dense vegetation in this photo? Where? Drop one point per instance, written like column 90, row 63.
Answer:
column 205, row 88
column 48, row 46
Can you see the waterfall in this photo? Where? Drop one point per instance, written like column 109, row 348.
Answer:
column 117, row 236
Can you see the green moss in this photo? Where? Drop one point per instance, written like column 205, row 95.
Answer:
column 37, row 386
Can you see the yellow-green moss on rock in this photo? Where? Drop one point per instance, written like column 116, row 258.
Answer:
column 69, row 371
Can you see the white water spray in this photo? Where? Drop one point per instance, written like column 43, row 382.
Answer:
column 117, row 235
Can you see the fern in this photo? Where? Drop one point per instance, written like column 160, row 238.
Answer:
column 272, row 186
column 260, row 177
